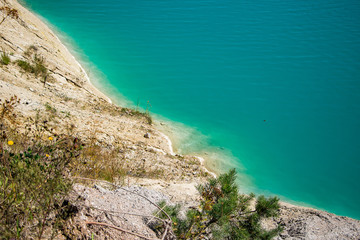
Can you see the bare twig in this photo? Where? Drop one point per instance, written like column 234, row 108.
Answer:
column 120, row 229
column 165, row 232
column 124, row 213
column 156, row 214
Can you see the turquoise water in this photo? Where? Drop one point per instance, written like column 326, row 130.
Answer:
column 273, row 84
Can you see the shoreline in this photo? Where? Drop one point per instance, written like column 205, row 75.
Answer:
column 70, row 50
column 97, row 92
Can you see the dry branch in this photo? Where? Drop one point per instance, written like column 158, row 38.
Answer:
column 120, row 229
column 167, row 223
column 124, row 213
column 119, row 187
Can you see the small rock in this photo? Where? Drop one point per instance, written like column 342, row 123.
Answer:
column 132, row 147
column 32, row 90
column 147, row 135
column 101, row 189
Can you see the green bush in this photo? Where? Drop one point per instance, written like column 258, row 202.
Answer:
column 5, row 59
column 24, row 65
column 223, row 213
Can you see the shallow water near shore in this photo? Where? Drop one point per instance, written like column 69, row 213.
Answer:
column 271, row 87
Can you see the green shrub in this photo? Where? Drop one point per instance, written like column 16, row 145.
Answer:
column 24, row 65
column 5, row 59
column 36, row 68
column 224, row 213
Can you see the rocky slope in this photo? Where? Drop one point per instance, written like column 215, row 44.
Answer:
column 68, row 98
column 308, row 223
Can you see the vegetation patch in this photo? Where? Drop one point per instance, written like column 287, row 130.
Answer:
column 34, row 182
column 26, row 66
column 137, row 113
column 50, row 109
column 39, row 68
column 223, row 213
column 35, row 66
column 101, row 162
column 5, row 59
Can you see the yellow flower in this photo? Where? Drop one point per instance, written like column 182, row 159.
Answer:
column 50, row 138
column 47, row 155
column 10, row 143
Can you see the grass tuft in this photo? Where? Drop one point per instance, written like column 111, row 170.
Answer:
column 24, row 65
column 39, row 68
column 137, row 113
column 36, row 67
column 5, row 59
